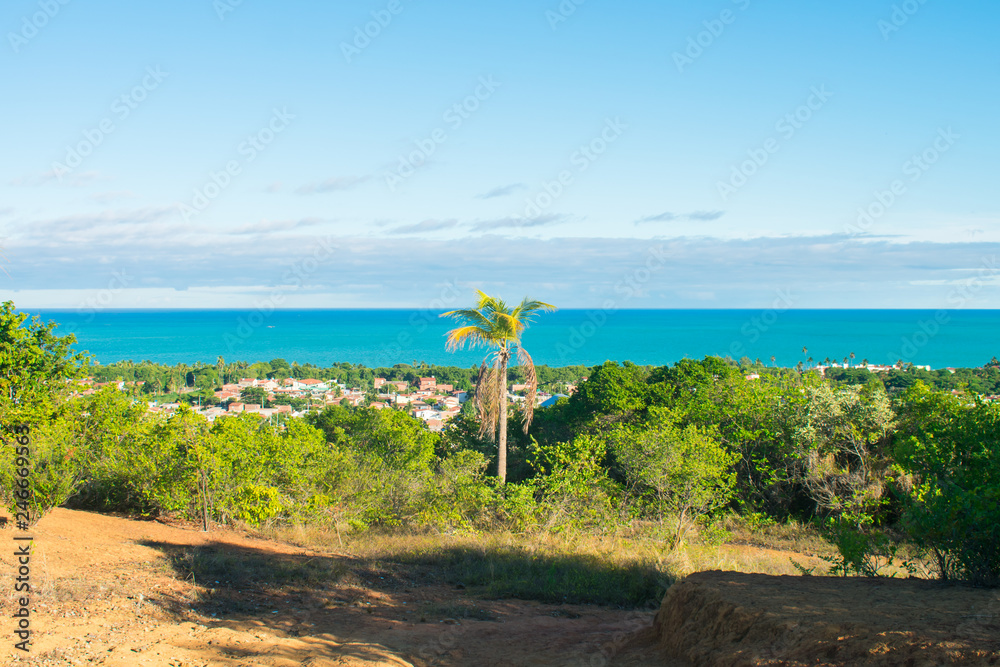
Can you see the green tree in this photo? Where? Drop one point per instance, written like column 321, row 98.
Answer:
column 253, row 395
column 685, row 472
column 41, row 465
column 35, row 365
column 493, row 324
column 841, row 439
column 612, row 390
column 949, row 451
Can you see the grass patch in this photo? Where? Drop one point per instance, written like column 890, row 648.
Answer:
column 574, row 569
column 522, row 573
column 629, row 568
column 228, row 567
column 803, row 538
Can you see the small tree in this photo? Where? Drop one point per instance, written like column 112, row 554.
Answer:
column 949, row 450
column 254, row 395
column 685, row 471
column 35, row 365
column 35, row 368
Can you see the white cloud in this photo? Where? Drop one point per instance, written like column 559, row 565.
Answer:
column 338, row 184
column 826, row 271
column 503, row 191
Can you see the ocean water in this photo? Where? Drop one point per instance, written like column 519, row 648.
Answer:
column 386, row 337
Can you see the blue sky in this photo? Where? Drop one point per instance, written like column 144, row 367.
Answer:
column 216, row 153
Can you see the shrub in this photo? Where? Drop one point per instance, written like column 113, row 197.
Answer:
column 684, row 473
column 950, row 451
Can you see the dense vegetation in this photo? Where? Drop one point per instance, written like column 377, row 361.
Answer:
column 874, row 460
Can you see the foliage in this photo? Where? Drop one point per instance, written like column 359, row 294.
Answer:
column 683, row 472
column 36, row 366
column 950, row 450
column 870, row 457
column 572, row 485
column 841, row 439
column 457, row 497
column 611, row 390
column 394, row 437
column 862, row 550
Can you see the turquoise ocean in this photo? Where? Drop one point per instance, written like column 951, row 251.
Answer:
column 960, row 338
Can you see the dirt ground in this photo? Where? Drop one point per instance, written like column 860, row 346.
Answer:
column 120, row 592
column 109, row 592
column 729, row 619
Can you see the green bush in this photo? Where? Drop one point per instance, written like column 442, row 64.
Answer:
column 54, row 469
column 572, row 485
column 682, row 472
column 255, row 505
column 951, row 452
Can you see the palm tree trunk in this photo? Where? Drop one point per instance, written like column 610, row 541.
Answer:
column 502, row 437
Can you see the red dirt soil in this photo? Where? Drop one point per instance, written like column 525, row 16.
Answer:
column 109, row 591
column 89, row 571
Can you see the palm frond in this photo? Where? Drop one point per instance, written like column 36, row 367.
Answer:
column 531, row 307
column 469, row 315
column 488, row 404
column 531, row 385
column 490, row 304
column 472, row 334
column 507, row 326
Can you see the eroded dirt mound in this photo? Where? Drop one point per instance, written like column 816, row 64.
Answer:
column 728, row 619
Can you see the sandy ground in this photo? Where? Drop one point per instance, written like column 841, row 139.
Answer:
column 108, row 591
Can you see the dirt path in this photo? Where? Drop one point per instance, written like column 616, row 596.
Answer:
column 113, row 591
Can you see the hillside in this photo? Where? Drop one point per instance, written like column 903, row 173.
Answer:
column 115, row 591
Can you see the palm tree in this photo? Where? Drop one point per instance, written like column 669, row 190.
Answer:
column 495, row 325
